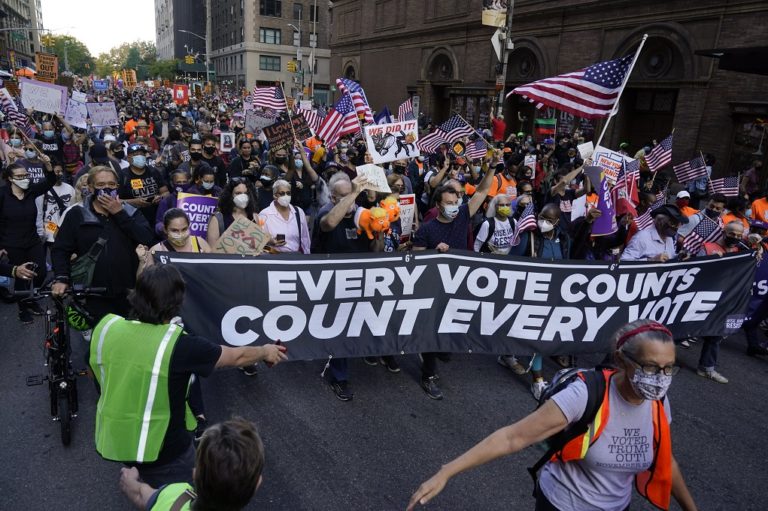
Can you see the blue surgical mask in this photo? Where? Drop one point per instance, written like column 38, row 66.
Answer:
column 30, row 154
column 65, row 135
column 299, row 164
column 15, row 142
column 139, row 161
column 48, row 133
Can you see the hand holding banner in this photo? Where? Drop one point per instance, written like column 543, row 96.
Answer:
column 243, row 237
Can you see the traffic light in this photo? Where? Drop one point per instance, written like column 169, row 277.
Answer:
column 291, row 66
column 189, row 59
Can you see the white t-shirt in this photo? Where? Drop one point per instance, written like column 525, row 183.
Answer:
column 48, row 223
column 501, row 239
column 604, row 479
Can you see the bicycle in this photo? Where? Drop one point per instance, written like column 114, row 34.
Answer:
column 62, row 378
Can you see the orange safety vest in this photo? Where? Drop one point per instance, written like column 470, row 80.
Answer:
column 655, row 484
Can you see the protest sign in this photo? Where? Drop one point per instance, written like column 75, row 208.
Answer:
column 578, row 207
column 494, row 13
column 44, row 97
column 305, row 104
column 129, row 79
column 66, row 81
column 47, row 65
column 407, row 214
column 586, row 149
column 243, row 237
column 377, row 178
column 80, row 97
column 606, row 223
column 609, row 161
column 279, row 134
column 12, row 88
column 300, row 127
column 226, row 142
column 530, row 161
column 256, row 120
column 392, row 141
column 103, row 114
column 181, row 94
column 77, row 114
column 199, row 209
column 384, row 304
column 101, row 84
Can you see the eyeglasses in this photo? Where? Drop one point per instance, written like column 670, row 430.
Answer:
column 23, row 176
column 282, row 194
column 652, row 369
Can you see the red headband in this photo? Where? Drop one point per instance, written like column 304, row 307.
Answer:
column 650, row 327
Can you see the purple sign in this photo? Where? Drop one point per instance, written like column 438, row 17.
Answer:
column 199, row 209
column 605, row 224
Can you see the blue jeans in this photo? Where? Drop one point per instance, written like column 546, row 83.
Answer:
column 710, row 350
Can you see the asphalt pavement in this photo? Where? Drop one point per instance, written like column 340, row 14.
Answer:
column 372, row 452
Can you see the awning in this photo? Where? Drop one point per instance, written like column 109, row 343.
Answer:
column 752, row 60
column 5, row 74
column 25, row 71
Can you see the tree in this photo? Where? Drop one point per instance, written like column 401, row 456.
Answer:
column 71, row 52
column 165, row 69
column 138, row 55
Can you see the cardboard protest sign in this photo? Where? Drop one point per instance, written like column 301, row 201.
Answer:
column 609, row 161
column 12, row 88
column 47, row 66
column 226, row 142
column 494, row 14
column 243, row 237
column 44, row 97
column 77, row 114
column 80, row 97
column 377, row 178
column 279, row 134
column 578, row 207
column 103, row 114
column 407, row 214
column 255, row 120
column 301, row 127
column 586, row 149
column 392, row 141
column 199, row 209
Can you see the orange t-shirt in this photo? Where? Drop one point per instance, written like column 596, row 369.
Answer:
column 688, row 211
column 730, row 217
column 760, row 210
column 502, row 184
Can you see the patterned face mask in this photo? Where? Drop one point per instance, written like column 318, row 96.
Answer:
column 650, row 386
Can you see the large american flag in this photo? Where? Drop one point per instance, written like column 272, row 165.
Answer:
column 14, row 115
column 660, row 155
column 728, row 186
column 359, row 100
column 340, row 121
column 451, row 130
column 706, row 232
column 476, row 149
column 269, row 97
column 526, row 222
column 405, row 111
column 690, row 170
column 313, row 120
column 646, row 220
column 590, row 92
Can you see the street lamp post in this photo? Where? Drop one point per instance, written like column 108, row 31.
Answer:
column 298, row 54
column 207, row 52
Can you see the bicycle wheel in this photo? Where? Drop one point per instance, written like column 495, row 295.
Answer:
column 65, row 418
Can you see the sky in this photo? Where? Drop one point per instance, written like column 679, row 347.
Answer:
column 101, row 24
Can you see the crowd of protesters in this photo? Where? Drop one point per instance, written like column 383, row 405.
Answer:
column 67, row 190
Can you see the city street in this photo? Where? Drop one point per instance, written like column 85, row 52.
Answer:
column 371, row 453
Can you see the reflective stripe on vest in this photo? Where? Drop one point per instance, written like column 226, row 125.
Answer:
column 131, row 361
column 655, row 484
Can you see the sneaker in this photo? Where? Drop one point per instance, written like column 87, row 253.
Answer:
column 202, row 424
column 754, row 351
column 26, row 317
column 35, row 309
column 537, row 388
column 86, row 335
column 371, row 361
column 685, row 343
column 251, row 370
column 510, row 362
column 390, row 363
column 430, row 387
column 343, row 390
column 712, row 375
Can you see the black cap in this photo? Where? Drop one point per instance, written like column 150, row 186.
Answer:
column 136, row 148
column 99, row 153
column 671, row 211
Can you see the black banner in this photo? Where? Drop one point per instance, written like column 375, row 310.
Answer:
column 384, row 304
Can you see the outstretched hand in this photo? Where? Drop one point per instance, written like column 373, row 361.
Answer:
column 428, row 490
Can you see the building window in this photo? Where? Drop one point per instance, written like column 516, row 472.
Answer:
column 297, row 11
column 241, row 61
column 269, row 35
column 269, row 63
column 313, row 9
column 271, row 8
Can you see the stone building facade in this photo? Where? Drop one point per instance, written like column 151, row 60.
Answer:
column 440, row 51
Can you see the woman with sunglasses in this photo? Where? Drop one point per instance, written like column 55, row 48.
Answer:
column 237, row 200
column 628, row 439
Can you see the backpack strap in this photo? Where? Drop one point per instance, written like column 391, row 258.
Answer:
column 298, row 223
column 182, row 500
column 595, row 381
column 491, row 230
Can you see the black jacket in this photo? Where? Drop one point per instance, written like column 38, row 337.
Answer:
column 117, row 264
column 18, row 218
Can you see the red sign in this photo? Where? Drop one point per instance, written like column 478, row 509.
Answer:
column 181, row 94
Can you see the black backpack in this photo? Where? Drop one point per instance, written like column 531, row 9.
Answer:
column 595, row 382
column 491, row 230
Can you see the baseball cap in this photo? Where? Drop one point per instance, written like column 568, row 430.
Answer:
column 671, row 211
column 683, row 195
column 135, row 148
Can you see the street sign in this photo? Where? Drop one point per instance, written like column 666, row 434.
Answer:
column 496, row 42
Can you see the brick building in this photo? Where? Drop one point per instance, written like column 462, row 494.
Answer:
column 440, row 51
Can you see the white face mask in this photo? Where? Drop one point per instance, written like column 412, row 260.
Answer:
column 451, row 211
column 21, row 183
column 241, row 200
column 650, row 386
column 545, row 226
column 284, row 200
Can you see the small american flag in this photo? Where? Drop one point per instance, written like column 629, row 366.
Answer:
column 526, row 222
column 706, row 232
column 646, row 220
column 690, row 170
column 340, row 121
column 313, row 120
column 269, row 97
column 451, row 130
column 590, row 92
column 660, row 155
column 476, row 149
column 15, row 116
column 661, row 195
column 728, row 186
column 362, row 107
column 633, row 170
column 405, row 111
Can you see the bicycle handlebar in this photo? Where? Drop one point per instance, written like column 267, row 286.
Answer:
column 76, row 290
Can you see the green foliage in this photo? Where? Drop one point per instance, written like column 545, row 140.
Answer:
column 165, row 69
column 70, row 51
column 138, row 55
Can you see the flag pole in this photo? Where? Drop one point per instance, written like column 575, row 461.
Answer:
column 615, row 108
column 288, row 111
column 709, row 178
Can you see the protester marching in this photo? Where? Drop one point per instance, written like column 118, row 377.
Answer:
column 353, row 236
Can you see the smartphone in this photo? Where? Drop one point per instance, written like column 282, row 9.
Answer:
column 282, row 348
column 280, row 237
column 33, row 267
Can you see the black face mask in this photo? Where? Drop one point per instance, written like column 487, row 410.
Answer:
column 279, row 160
column 731, row 242
column 209, row 150
column 120, row 155
column 711, row 213
column 399, row 169
column 195, row 156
